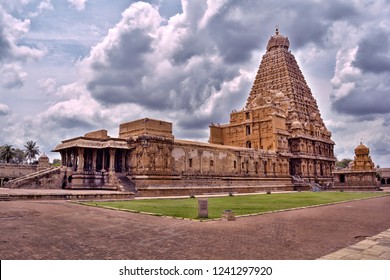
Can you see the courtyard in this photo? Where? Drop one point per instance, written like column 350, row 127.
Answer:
column 58, row 229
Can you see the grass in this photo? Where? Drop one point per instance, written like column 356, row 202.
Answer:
column 241, row 205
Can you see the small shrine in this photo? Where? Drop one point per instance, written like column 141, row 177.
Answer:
column 360, row 174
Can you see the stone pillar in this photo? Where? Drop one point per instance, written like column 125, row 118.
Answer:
column 111, row 168
column 73, row 161
column 103, row 160
column 94, row 157
column 63, row 158
column 68, row 162
column 80, row 167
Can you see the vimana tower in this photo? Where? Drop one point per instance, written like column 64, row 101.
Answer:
column 281, row 115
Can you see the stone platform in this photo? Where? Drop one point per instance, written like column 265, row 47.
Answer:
column 59, row 194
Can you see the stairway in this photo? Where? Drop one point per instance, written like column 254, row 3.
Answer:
column 32, row 177
column 126, row 183
column 4, row 197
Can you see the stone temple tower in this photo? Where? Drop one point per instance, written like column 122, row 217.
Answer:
column 281, row 115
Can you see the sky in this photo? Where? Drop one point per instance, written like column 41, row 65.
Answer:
column 68, row 67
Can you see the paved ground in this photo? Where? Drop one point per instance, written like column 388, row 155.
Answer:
column 62, row 230
column 372, row 248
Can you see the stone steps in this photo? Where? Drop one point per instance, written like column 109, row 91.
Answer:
column 4, row 197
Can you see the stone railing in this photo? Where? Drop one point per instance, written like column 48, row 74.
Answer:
column 49, row 178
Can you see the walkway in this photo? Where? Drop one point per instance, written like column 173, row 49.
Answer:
column 56, row 229
column 372, row 248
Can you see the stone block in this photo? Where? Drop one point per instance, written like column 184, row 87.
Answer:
column 228, row 215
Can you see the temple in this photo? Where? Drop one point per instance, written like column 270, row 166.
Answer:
column 277, row 142
column 360, row 174
column 281, row 115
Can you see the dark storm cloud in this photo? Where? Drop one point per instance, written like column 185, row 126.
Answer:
column 303, row 22
column 190, row 46
column 117, row 78
column 73, row 121
column 365, row 101
column 338, row 10
column 308, row 22
column 373, row 54
column 379, row 146
column 129, row 72
column 200, row 52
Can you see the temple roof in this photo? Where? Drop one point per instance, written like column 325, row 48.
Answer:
column 277, row 41
column 362, row 150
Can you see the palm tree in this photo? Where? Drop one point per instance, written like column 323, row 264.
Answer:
column 7, row 152
column 32, row 150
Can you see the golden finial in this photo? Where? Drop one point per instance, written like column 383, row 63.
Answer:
column 277, row 29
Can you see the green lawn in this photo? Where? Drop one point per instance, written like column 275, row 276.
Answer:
column 241, row 205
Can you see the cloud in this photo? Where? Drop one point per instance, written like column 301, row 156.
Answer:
column 373, row 55
column 12, row 76
column 48, row 85
column 11, row 31
column 43, row 5
column 369, row 96
column 184, row 69
column 4, row 110
column 78, row 4
column 360, row 84
column 172, row 66
column 12, row 53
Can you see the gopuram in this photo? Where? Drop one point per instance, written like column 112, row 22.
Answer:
column 276, row 142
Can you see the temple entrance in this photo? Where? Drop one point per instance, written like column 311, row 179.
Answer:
column 118, row 161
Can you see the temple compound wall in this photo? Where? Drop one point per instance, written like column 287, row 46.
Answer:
column 384, row 175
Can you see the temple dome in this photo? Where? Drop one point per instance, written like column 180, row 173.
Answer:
column 43, row 157
column 362, row 150
column 278, row 41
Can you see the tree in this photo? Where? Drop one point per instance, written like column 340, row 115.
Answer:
column 32, row 150
column 20, row 156
column 7, row 153
column 343, row 163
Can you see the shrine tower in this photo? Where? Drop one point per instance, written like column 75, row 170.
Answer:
column 282, row 115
